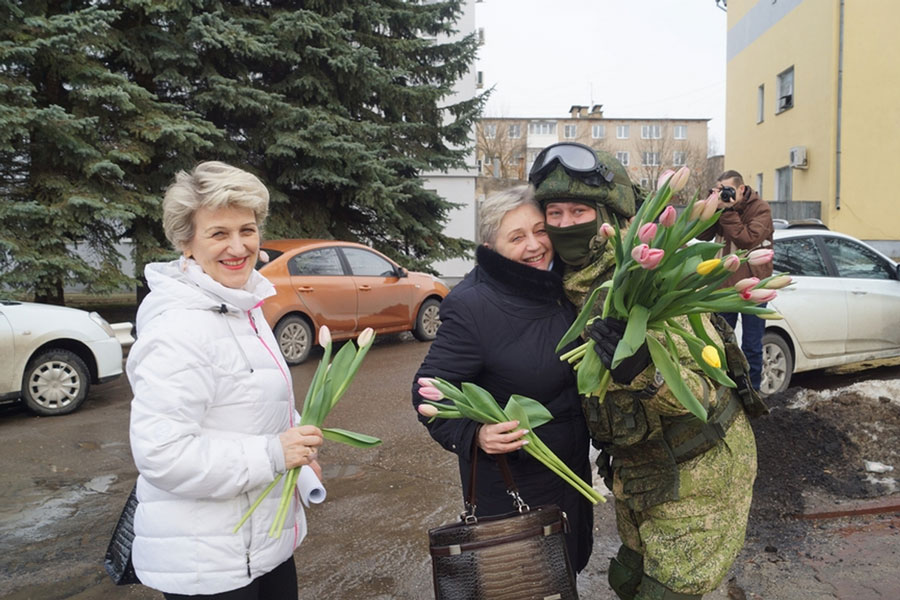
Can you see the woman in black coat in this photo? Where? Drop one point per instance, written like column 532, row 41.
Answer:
column 499, row 329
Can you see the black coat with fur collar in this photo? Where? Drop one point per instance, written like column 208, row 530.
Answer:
column 499, row 329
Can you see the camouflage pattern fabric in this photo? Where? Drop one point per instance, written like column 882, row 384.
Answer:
column 687, row 519
column 690, row 544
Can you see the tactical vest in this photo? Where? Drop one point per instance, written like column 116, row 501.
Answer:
column 646, row 448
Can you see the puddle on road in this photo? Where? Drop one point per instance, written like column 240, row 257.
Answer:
column 44, row 505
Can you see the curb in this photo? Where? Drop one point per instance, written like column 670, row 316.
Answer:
column 872, row 507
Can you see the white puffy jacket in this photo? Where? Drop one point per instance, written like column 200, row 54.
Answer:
column 211, row 394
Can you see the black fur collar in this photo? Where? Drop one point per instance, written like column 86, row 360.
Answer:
column 522, row 280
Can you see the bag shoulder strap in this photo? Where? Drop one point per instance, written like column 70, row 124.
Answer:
column 511, row 488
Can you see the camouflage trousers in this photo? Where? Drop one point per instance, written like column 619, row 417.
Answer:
column 690, row 543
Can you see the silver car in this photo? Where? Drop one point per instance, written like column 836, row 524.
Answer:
column 844, row 306
column 50, row 355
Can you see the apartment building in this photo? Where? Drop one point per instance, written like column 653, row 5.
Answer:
column 507, row 147
column 813, row 104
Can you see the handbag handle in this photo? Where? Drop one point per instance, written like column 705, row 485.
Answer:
column 469, row 515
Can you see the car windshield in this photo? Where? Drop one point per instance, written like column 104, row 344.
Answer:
column 273, row 254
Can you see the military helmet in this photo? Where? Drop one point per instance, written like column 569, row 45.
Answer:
column 573, row 172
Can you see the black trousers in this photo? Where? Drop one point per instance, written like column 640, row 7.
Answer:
column 278, row 584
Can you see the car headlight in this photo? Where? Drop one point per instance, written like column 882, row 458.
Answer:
column 96, row 318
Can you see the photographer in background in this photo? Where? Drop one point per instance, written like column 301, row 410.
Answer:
column 745, row 224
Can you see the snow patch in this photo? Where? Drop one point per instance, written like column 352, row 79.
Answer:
column 872, row 389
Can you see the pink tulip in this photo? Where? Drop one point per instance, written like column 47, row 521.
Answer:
column 324, row 336
column 680, row 179
column 760, row 257
column 430, row 393
column 607, row 230
column 427, row 410
column 712, row 204
column 731, row 263
column 647, row 232
column 746, row 284
column 668, row 216
column 647, row 257
column 426, row 382
column 666, row 175
column 759, row 295
column 697, row 209
column 776, row 283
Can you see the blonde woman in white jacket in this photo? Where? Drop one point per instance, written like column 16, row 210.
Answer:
column 212, row 420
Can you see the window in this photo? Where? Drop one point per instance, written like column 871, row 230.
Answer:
column 622, row 131
column 479, row 166
column 569, row 132
column 678, row 159
column 679, row 132
column 622, row 157
column 542, row 128
column 759, row 184
column 490, row 131
column 856, row 261
column 760, row 103
column 324, row 261
column 650, row 132
column 798, row 256
column 783, row 184
column 368, row 264
column 479, row 80
column 598, row 131
column 514, row 131
column 650, row 159
column 645, row 183
column 785, row 90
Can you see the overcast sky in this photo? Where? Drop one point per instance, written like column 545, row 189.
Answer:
column 638, row 58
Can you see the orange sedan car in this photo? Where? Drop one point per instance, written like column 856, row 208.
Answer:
column 348, row 287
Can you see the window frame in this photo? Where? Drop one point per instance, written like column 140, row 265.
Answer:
column 598, row 127
column 624, row 157
column 567, row 128
column 623, row 129
column 784, row 92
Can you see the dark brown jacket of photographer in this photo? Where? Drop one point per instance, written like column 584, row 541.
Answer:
column 747, row 227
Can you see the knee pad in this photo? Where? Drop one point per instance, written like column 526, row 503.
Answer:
column 651, row 589
column 625, row 572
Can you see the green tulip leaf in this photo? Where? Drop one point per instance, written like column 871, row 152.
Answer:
column 482, row 400
column 537, row 412
column 635, row 332
column 580, row 323
column 589, row 371
column 672, row 375
column 351, row 438
column 515, row 412
column 448, row 389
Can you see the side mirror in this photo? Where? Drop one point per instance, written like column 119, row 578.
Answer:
column 401, row 272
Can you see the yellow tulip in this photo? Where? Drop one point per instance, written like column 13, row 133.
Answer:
column 711, row 355
column 707, row 266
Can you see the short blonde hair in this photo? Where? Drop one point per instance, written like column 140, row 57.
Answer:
column 211, row 185
column 492, row 210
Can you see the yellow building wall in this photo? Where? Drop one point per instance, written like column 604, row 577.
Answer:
column 802, row 39
column 806, row 38
column 869, row 202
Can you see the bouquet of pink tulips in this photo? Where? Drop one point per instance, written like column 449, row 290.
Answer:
column 476, row 403
column 659, row 277
column 331, row 380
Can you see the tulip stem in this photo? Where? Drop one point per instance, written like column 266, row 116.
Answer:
column 258, row 500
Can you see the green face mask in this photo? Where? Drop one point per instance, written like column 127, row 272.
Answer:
column 573, row 243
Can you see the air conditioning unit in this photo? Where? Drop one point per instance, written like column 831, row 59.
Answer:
column 798, row 157
column 785, row 102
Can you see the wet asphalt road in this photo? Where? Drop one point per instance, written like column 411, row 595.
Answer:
column 66, row 479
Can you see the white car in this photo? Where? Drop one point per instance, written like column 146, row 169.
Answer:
column 844, row 306
column 50, row 355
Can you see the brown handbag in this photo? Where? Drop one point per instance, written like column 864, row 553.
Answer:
column 516, row 556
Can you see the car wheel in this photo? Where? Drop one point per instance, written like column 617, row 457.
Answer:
column 428, row 320
column 777, row 364
column 56, row 382
column 295, row 339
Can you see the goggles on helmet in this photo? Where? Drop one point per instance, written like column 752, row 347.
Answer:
column 578, row 160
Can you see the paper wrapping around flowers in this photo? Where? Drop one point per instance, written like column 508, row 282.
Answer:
column 310, row 488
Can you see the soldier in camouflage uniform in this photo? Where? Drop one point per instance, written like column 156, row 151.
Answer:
column 682, row 488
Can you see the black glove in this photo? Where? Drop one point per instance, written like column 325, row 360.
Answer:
column 606, row 334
